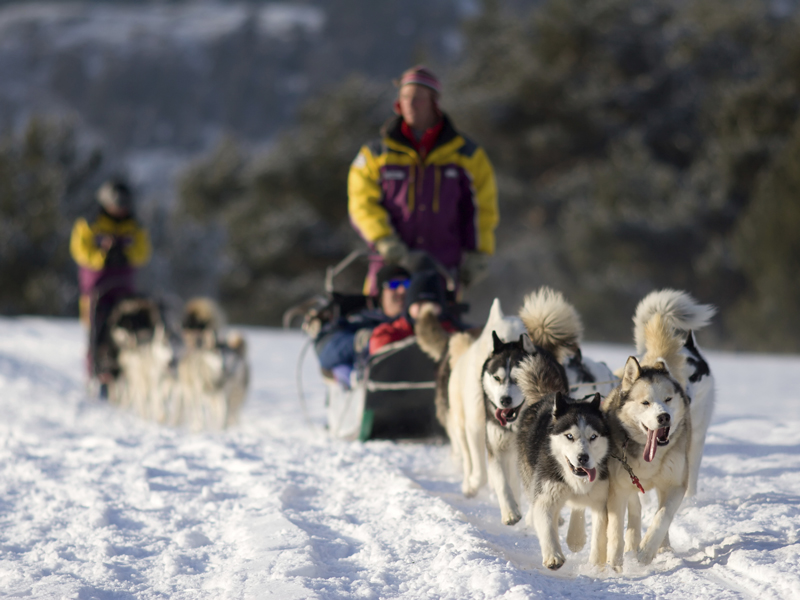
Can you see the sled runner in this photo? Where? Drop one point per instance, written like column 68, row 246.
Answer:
column 391, row 393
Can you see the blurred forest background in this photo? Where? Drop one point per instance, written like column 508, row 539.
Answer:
column 638, row 144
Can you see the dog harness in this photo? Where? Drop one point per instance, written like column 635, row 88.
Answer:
column 626, row 466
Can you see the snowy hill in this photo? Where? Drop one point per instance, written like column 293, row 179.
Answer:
column 95, row 503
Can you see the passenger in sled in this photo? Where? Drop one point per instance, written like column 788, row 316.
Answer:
column 109, row 248
column 389, row 390
column 340, row 342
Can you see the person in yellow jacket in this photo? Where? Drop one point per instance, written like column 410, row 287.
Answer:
column 108, row 250
column 424, row 186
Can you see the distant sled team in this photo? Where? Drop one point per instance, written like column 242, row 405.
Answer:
column 198, row 378
column 570, row 432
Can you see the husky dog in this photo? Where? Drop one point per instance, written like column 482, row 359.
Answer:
column 650, row 421
column 682, row 312
column 213, row 374
column 553, row 333
column 459, row 395
column 504, row 403
column 144, row 353
column 563, row 449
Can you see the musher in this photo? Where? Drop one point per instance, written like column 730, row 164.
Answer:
column 109, row 250
column 424, row 186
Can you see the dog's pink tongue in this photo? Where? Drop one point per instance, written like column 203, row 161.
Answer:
column 592, row 473
column 651, row 445
column 501, row 416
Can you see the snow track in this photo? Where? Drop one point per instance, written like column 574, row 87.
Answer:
column 95, row 503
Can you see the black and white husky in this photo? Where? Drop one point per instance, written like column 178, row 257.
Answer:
column 684, row 315
column 563, row 447
column 144, row 353
column 554, row 332
column 504, row 403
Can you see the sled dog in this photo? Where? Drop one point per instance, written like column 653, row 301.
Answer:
column 504, row 403
column 213, row 374
column 563, row 449
column 650, row 421
column 460, row 394
column 682, row 312
column 553, row 332
column 144, row 353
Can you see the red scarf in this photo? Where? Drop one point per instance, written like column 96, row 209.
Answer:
column 425, row 144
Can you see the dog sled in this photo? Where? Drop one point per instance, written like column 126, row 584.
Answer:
column 392, row 392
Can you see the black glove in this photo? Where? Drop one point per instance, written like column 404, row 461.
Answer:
column 115, row 257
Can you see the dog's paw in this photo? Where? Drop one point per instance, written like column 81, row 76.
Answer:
column 511, row 518
column 646, row 555
column 468, row 490
column 576, row 540
column 554, row 562
column 471, row 486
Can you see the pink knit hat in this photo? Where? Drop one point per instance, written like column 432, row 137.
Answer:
column 421, row 76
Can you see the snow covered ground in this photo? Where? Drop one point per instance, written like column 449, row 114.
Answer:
column 95, row 503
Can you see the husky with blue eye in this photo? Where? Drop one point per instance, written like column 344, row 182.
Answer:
column 563, row 447
column 510, row 366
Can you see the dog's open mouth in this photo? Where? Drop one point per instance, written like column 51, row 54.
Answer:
column 506, row 415
column 655, row 438
column 583, row 472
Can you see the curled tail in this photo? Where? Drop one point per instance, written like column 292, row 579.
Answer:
column 663, row 344
column 678, row 310
column 552, row 322
column 541, row 374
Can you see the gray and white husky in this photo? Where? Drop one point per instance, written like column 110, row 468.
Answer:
column 684, row 315
column 213, row 373
column 563, row 447
column 650, row 420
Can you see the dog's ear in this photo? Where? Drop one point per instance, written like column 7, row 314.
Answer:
column 661, row 365
column 559, row 406
column 631, row 373
column 498, row 343
column 690, row 342
column 496, row 312
column 527, row 344
column 595, row 403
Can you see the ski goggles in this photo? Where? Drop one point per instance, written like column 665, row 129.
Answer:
column 393, row 284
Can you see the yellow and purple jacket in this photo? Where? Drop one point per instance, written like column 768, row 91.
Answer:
column 445, row 204
column 98, row 266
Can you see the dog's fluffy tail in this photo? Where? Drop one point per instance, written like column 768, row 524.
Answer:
column 678, row 309
column 663, row 344
column 431, row 336
column 541, row 374
column 552, row 322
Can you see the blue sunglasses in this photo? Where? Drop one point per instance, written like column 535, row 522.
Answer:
column 396, row 283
